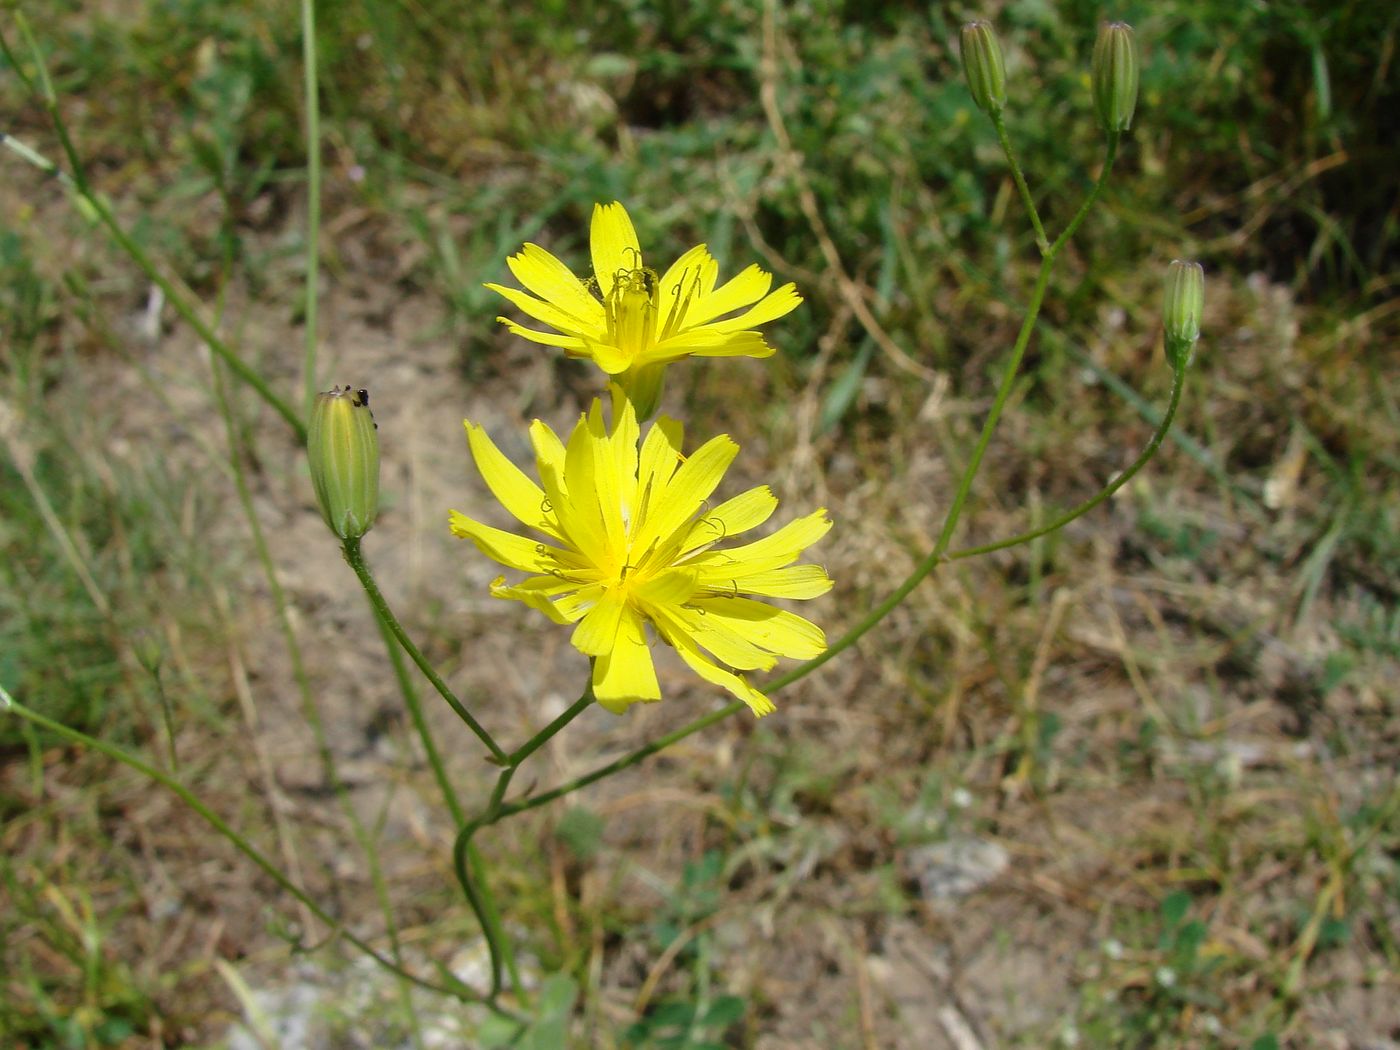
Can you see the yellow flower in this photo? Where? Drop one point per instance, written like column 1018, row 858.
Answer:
column 632, row 323
column 630, row 539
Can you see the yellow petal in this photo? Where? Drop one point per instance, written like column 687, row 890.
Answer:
column 743, row 512
column 516, row 552
column 573, row 607
column 689, row 488
column 705, row 342
column 791, row 581
column 672, row 587
column 517, row 493
column 611, row 359
column 613, row 243
column 747, row 286
column 660, row 458
column 625, row 434
column 571, row 343
column 610, row 463
column 687, row 281
column 777, row 630
column 626, row 674
column 781, row 302
column 718, row 636
column 535, row 592
column 549, row 454
column 541, row 273
column 581, row 516
column 596, row 633
column 696, row 661
column 547, row 312
column 737, row 344
column 783, row 546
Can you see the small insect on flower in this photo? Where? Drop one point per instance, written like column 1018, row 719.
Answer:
column 631, row 322
column 629, row 539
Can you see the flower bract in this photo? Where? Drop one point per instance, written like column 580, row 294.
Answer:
column 632, row 320
column 627, row 536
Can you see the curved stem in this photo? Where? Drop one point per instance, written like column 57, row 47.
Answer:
column 629, row 759
column 8, row 703
column 1110, row 155
column 1041, row 241
column 1158, row 436
column 467, row 862
column 382, row 610
column 420, row 721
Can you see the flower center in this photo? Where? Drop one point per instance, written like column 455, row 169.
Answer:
column 631, row 311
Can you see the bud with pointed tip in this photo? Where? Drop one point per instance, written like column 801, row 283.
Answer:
column 1181, row 308
column 1115, row 76
column 983, row 66
column 343, row 447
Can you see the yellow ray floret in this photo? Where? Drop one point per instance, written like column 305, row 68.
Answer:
column 627, row 535
column 632, row 321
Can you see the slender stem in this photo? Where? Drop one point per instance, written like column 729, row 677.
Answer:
column 420, row 722
column 168, row 714
column 236, row 364
column 1110, row 155
column 382, row 610
column 467, row 861
column 1158, row 436
column 525, row 750
column 8, row 703
column 313, row 199
column 630, row 759
column 1041, row 241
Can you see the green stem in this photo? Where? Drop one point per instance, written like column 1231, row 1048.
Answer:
column 420, row 721
column 313, row 198
column 617, row 765
column 467, row 861
column 386, row 615
column 168, row 714
column 1158, row 436
column 8, row 703
column 1041, row 241
column 1110, row 155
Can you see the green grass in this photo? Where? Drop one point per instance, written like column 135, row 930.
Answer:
column 1243, row 589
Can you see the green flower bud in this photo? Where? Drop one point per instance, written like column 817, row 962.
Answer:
column 983, row 66
column 1115, row 76
column 1181, row 308
column 343, row 447
column 149, row 654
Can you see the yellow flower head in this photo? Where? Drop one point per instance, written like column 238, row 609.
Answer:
column 630, row 539
column 632, row 322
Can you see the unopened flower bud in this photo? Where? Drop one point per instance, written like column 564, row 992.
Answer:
column 1115, row 76
column 343, row 447
column 983, row 66
column 1181, row 308
column 149, row 654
